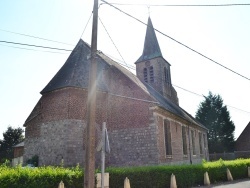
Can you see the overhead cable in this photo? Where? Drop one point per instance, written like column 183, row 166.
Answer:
column 86, row 24
column 31, row 36
column 183, row 5
column 113, row 42
column 199, row 95
column 32, row 49
column 35, row 45
column 178, row 42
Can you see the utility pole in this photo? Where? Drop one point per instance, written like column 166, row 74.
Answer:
column 89, row 166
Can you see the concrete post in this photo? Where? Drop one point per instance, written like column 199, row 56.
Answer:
column 126, row 183
column 173, row 182
column 61, row 185
column 206, row 179
column 229, row 175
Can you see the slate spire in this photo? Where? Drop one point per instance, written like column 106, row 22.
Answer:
column 151, row 47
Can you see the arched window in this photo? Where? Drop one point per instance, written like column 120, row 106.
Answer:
column 151, row 73
column 145, row 74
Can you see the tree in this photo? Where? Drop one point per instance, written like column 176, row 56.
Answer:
column 215, row 116
column 10, row 138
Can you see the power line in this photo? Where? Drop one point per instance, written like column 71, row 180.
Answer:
column 238, row 109
column 178, row 42
column 87, row 24
column 187, row 90
column 31, row 36
column 192, row 92
column 183, row 5
column 31, row 49
column 120, row 62
column 113, row 42
column 35, row 45
column 200, row 95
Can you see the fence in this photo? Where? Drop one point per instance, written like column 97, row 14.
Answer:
column 229, row 156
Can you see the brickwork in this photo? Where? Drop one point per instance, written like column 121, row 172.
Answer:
column 177, row 156
column 18, row 151
column 134, row 115
column 128, row 122
column 135, row 132
column 133, row 147
column 160, row 83
column 176, row 134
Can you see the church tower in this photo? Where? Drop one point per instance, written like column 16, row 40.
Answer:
column 152, row 69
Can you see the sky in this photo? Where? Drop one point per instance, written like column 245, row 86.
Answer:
column 219, row 32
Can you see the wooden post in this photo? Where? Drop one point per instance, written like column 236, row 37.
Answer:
column 89, row 166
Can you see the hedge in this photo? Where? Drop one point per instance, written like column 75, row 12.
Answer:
column 186, row 175
column 42, row 177
column 146, row 177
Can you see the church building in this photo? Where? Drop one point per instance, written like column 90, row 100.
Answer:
column 145, row 123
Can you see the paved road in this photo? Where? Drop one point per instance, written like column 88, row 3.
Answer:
column 237, row 184
column 234, row 184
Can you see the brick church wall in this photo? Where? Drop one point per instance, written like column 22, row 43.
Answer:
column 55, row 130
column 56, row 127
column 176, row 124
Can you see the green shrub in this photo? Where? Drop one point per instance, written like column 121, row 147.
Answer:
column 186, row 175
column 146, row 177
column 42, row 177
column 157, row 176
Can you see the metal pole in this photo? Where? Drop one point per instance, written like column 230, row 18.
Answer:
column 89, row 166
column 103, row 154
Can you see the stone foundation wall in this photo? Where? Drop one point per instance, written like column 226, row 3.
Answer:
column 64, row 139
column 58, row 140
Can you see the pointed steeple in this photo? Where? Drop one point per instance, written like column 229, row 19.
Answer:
column 151, row 47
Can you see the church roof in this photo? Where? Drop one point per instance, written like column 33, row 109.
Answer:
column 21, row 144
column 75, row 73
column 244, row 136
column 161, row 101
column 151, row 47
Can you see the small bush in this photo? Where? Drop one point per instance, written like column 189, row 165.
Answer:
column 42, row 177
column 146, row 177
column 186, row 175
